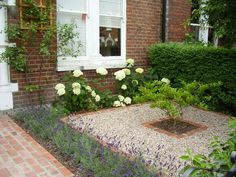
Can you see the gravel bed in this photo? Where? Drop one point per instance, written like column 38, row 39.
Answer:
column 123, row 129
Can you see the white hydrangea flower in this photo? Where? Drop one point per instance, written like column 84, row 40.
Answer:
column 61, row 91
column 117, row 103
column 122, row 104
column 93, row 94
column 120, row 75
column 76, row 91
column 165, row 80
column 97, row 98
column 88, row 88
column 76, row 85
column 123, row 87
column 130, row 62
column 77, row 73
column 121, row 98
column 127, row 100
column 60, row 86
column 139, row 70
column 127, row 71
column 102, row 71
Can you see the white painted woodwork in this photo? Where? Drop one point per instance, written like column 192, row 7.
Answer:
column 6, row 88
column 204, row 27
column 110, row 13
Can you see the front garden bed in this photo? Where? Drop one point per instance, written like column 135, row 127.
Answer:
column 114, row 141
column 122, row 129
column 78, row 150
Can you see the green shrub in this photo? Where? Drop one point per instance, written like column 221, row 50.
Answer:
column 218, row 162
column 132, row 78
column 203, row 64
column 162, row 95
column 76, row 95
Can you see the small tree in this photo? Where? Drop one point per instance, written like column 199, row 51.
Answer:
column 162, row 95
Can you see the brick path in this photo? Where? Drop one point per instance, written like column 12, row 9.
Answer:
column 22, row 156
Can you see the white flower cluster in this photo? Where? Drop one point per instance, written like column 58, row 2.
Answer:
column 88, row 88
column 124, row 87
column 120, row 75
column 102, row 71
column 165, row 80
column 127, row 71
column 139, row 70
column 123, row 101
column 76, row 88
column 130, row 62
column 95, row 96
column 60, row 89
column 77, row 73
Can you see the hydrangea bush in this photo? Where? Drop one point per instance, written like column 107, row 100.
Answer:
column 128, row 81
column 76, row 95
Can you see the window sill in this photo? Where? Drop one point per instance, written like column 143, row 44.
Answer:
column 88, row 63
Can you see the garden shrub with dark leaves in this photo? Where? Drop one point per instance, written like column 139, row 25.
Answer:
column 218, row 162
column 198, row 63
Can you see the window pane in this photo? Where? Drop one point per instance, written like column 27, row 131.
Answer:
column 110, row 44
column 111, row 7
column 72, row 5
column 112, row 22
column 63, row 18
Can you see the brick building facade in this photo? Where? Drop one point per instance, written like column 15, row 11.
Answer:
column 143, row 28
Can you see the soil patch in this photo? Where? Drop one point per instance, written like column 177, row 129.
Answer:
column 176, row 127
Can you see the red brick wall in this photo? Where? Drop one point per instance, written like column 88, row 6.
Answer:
column 179, row 11
column 143, row 29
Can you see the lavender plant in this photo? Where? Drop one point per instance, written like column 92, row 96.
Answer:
column 85, row 150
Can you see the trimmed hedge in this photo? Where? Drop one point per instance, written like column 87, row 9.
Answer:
column 195, row 62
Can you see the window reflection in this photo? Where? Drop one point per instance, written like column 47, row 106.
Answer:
column 110, row 44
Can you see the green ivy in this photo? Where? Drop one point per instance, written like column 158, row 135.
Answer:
column 15, row 57
column 221, row 15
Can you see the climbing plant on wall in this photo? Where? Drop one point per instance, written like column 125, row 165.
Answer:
column 221, row 16
column 37, row 28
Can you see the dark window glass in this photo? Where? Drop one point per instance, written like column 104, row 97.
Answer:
column 110, row 42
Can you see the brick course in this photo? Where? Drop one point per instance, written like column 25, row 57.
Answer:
column 143, row 29
column 21, row 155
column 179, row 12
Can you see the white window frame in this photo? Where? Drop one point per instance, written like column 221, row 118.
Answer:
column 93, row 58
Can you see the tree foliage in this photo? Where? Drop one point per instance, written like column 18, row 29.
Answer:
column 222, row 16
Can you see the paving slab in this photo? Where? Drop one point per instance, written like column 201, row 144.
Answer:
column 22, row 156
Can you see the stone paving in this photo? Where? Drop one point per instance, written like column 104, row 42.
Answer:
column 22, row 156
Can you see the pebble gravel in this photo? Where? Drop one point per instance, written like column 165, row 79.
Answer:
column 123, row 128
